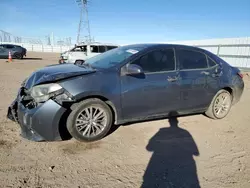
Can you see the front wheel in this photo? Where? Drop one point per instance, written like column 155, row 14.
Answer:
column 220, row 105
column 90, row 120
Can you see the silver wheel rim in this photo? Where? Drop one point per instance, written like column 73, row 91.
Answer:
column 91, row 121
column 222, row 105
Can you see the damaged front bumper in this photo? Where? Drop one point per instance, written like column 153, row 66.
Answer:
column 40, row 123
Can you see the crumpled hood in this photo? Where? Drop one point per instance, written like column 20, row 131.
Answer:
column 54, row 73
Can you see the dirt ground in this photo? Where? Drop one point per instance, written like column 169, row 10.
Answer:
column 206, row 152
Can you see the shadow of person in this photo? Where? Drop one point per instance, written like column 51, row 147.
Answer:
column 172, row 164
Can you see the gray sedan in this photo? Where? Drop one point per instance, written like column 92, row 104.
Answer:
column 123, row 85
column 17, row 52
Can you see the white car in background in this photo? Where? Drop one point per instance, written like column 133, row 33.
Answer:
column 84, row 51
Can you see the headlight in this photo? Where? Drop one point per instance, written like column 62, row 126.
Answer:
column 42, row 93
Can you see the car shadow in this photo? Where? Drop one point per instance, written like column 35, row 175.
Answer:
column 32, row 58
column 171, row 114
column 172, row 163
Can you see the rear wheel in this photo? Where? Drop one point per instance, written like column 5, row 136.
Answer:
column 18, row 56
column 220, row 105
column 90, row 120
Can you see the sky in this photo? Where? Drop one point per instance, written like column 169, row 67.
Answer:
column 130, row 21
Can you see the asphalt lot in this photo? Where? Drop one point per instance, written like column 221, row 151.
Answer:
column 207, row 152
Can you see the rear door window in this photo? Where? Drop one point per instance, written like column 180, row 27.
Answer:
column 190, row 59
column 211, row 63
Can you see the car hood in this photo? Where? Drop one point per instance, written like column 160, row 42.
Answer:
column 66, row 53
column 54, row 73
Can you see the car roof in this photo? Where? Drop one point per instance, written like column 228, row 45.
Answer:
column 149, row 46
column 156, row 45
column 10, row 45
column 97, row 44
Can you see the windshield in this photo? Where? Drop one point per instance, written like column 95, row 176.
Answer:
column 112, row 57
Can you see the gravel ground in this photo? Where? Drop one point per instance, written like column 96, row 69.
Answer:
column 206, row 152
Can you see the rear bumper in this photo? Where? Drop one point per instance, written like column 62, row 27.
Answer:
column 238, row 91
column 24, row 53
column 38, row 124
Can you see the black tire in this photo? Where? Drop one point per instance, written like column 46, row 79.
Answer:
column 211, row 109
column 78, row 108
column 18, row 56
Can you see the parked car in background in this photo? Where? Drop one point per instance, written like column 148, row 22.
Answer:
column 17, row 52
column 82, row 52
column 126, row 84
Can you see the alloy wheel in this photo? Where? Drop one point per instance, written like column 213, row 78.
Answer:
column 91, row 121
column 222, row 105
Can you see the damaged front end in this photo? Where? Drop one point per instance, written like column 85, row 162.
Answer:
column 42, row 102
column 39, row 111
column 12, row 110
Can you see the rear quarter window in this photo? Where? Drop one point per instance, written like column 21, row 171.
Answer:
column 211, row 62
column 217, row 59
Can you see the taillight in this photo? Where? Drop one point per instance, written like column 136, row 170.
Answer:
column 240, row 74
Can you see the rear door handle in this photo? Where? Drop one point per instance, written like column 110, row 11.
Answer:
column 205, row 72
column 170, row 79
column 217, row 74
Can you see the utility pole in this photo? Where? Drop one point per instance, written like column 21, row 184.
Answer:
column 83, row 28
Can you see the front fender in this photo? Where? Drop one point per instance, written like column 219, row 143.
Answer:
column 109, row 102
column 103, row 86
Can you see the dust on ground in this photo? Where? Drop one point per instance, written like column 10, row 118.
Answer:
column 210, row 153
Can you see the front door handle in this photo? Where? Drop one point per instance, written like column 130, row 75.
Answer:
column 171, row 79
column 205, row 72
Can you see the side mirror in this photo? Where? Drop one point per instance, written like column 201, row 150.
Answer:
column 79, row 62
column 133, row 69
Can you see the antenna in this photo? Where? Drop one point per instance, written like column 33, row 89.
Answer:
column 83, row 28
